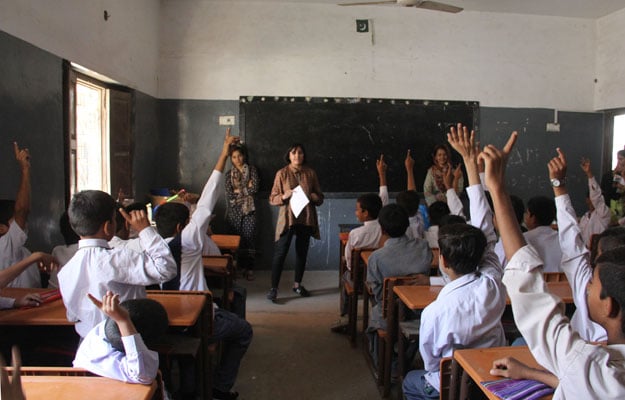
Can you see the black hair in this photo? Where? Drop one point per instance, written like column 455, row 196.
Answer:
column 518, row 207
column 241, row 149
column 612, row 276
column 462, row 246
column 621, row 153
column 617, row 238
column 409, row 200
column 393, row 220
column 451, row 219
column 543, row 208
column 136, row 206
column 436, row 211
column 147, row 315
column 168, row 216
column 441, row 147
column 69, row 236
column 371, row 203
column 7, row 210
column 290, row 149
column 89, row 209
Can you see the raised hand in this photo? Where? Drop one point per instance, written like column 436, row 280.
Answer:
column 557, row 166
column 110, row 306
column 585, row 165
column 495, row 163
column 21, row 155
column 137, row 219
column 409, row 161
column 463, row 141
column 448, row 178
column 381, row 166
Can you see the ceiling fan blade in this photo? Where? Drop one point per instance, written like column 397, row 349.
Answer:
column 368, row 3
column 436, row 6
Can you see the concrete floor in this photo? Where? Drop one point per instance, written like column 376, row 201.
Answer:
column 294, row 355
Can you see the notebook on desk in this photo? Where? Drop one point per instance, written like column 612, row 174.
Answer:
column 48, row 296
column 517, row 389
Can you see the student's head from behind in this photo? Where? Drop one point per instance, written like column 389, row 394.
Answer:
column 461, row 247
column 436, row 211
column 238, row 155
column 368, row 207
column 441, row 155
column 171, row 218
column 541, row 211
column 607, row 240
column 606, row 289
column 7, row 209
column 620, row 160
column 393, row 220
column 149, row 318
column 68, row 233
column 91, row 210
column 409, row 200
column 451, row 219
column 295, row 155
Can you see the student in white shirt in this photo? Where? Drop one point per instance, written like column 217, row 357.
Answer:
column 579, row 369
column 117, row 347
column 597, row 218
column 468, row 310
column 13, row 219
column 96, row 267
column 540, row 213
column 63, row 253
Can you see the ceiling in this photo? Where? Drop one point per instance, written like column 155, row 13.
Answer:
column 562, row 8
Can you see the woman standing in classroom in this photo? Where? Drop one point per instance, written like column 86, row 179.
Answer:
column 241, row 189
column 294, row 179
column 434, row 185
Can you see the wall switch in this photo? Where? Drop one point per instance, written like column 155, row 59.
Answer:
column 553, row 127
column 226, row 120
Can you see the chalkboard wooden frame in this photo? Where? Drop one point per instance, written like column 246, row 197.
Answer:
column 343, row 137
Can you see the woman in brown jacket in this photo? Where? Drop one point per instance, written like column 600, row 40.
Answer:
column 305, row 225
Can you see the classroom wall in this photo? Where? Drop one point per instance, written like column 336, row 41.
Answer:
column 124, row 48
column 221, row 50
column 609, row 91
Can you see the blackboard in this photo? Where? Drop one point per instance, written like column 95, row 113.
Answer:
column 343, row 137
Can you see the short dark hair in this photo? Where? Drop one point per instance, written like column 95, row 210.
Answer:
column 241, row 148
column 89, row 209
column 168, row 216
column 616, row 235
column 7, row 210
column 69, row 236
column 518, row 207
column 393, row 220
column 136, row 206
column 543, row 208
column 409, row 200
column 371, row 203
column 612, row 277
column 147, row 315
column 462, row 246
column 291, row 148
column 451, row 219
column 620, row 153
column 436, row 211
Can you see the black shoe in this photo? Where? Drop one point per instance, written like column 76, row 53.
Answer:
column 340, row 328
column 301, row 290
column 219, row 395
column 272, row 294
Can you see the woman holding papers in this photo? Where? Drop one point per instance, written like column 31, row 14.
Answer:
column 297, row 192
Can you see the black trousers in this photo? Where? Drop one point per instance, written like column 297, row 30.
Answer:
column 302, row 235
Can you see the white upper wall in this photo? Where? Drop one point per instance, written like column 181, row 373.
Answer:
column 124, row 48
column 221, row 50
column 610, row 88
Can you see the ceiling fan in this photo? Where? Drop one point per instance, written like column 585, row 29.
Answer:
column 429, row 5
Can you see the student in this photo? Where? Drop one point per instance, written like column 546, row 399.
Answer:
column 96, row 266
column 436, row 211
column 64, row 253
column 468, row 310
column 367, row 208
column 118, row 347
column 582, row 370
column 597, row 218
column 13, row 218
column 398, row 257
column 541, row 211
column 45, row 262
column 519, row 212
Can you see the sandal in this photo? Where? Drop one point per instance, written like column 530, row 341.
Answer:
column 301, row 290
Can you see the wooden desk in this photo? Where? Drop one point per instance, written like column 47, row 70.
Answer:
column 83, row 387
column 221, row 267
column 478, row 362
column 227, row 243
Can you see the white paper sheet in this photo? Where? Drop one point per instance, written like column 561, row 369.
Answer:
column 298, row 201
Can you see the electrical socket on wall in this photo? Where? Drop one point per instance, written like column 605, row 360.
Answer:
column 226, row 120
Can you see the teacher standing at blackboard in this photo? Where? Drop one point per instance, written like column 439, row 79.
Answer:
column 294, row 179
column 434, row 188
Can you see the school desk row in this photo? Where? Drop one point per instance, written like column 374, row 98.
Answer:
column 185, row 309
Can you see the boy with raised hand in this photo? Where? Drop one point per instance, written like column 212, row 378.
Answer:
column 583, row 370
column 597, row 218
column 96, row 268
column 117, row 347
column 468, row 310
column 13, row 218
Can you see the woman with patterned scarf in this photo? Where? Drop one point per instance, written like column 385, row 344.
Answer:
column 434, row 188
column 241, row 188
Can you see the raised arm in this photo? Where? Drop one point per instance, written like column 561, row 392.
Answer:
column 22, row 200
column 596, row 197
column 228, row 141
column 409, row 163
column 45, row 262
column 381, row 166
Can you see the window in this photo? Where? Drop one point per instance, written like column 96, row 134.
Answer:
column 618, row 135
column 98, row 141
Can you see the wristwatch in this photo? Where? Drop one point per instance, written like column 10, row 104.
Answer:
column 555, row 182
